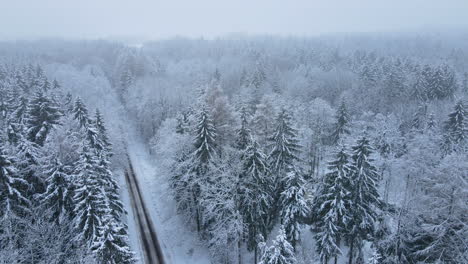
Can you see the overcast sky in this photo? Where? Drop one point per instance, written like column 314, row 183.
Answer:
column 158, row 19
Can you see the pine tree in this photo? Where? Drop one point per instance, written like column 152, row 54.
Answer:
column 203, row 155
column 364, row 196
column 431, row 122
column 331, row 206
column 243, row 133
column 256, row 201
column 102, row 133
column 205, row 140
column 13, row 202
column 281, row 252
column 285, row 146
column 456, row 126
column 58, row 198
column 293, row 204
column 89, row 199
column 80, row 113
column 112, row 246
column 342, row 123
column 419, row 118
column 43, row 115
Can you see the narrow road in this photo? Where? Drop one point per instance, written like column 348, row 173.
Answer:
column 149, row 240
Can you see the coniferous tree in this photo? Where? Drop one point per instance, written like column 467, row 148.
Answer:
column 13, row 201
column 364, row 196
column 58, row 197
column 112, row 246
column 102, row 133
column 456, row 126
column 243, row 133
column 80, row 113
column 285, row 148
column 293, row 204
column 331, row 207
column 342, row 123
column 43, row 114
column 281, row 252
column 90, row 201
column 203, row 155
column 256, row 198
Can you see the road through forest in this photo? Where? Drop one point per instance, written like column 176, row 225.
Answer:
column 149, row 239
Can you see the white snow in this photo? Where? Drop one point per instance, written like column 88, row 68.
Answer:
column 179, row 243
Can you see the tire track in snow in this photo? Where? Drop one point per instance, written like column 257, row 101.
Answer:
column 151, row 246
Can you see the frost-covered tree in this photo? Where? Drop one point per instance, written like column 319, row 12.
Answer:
column 112, row 245
column 13, row 201
column 80, row 113
column 331, row 206
column 102, row 134
column 456, row 126
column 342, row 123
column 293, row 204
column 256, row 200
column 90, row 200
column 243, row 133
column 58, row 197
column 43, row 115
column 285, row 147
column 365, row 197
column 281, row 252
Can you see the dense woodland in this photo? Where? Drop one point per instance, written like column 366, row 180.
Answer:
column 355, row 142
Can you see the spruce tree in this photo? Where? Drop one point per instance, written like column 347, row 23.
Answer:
column 243, row 133
column 80, row 113
column 58, row 197
column 205, row 140
column 102, row 133
column 256, row 201
column 13, row 201
column 112, row 245
column 364, row 196
column 293, row 204
column 43, row 115
column 332, row 205
column 456, row 126
column 281, row 252
column 90, row 201
column 342, row 123
column 285, row 148
column 205, row 150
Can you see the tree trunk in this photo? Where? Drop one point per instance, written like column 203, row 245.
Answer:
column 351, row 249
column 239, row 253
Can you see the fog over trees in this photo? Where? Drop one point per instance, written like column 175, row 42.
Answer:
column 339, row 148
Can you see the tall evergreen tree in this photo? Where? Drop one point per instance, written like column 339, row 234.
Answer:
column 90, row 201
column 58, row 197
column 364, row 196
column 285, row 148
column 456, row 126
column 256, row 201
column 13, row 201
column 332, row 205
column 342, row 123
column 294, row 205
column 281, row 252
column 112, row 246
column 205, row 150
column 80, row 113
column 243, row 133
column 43, row 115
column 102, row 133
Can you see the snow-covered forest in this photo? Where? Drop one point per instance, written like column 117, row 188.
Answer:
column 345, row 148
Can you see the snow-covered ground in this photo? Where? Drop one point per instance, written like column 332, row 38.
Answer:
column 179, row 243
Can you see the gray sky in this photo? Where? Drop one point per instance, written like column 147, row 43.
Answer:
column 208, row 18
